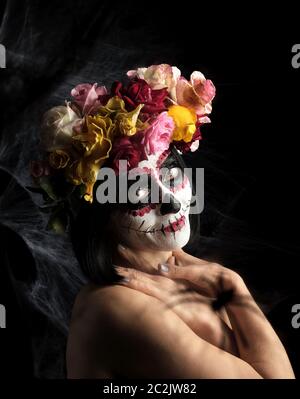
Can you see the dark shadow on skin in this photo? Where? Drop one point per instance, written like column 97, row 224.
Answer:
column 222, row 298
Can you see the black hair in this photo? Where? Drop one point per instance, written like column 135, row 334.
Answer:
column 91, row 242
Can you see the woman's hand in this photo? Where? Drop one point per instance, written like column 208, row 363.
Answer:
column 210, row 279
column 254, row 339
column 257, row 342
column 189, row 290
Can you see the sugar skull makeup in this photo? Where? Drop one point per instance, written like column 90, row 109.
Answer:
column 155, row 112
column 158, row 225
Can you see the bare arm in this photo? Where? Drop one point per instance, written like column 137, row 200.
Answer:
column 142, row 339
column 257, row 342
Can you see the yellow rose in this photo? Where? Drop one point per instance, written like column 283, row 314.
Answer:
column 98, row 129
column 127, row 123
column 94, row 143
column 114, row 106
column 58, row 159
column 185, row 122
column 84, row 172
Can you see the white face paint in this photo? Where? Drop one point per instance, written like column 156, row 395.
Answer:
column 157, row 226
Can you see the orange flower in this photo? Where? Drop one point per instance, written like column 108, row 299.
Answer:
column 185, row 123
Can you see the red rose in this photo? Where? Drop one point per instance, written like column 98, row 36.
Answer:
column 139, row 92
column 127, row 148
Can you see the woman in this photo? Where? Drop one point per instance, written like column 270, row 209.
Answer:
column 159, row 323
column 126, row 329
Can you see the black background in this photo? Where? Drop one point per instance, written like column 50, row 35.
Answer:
column 246, row 51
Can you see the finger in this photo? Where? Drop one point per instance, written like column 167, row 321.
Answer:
column 171, row 260
column 174, row 271
column 198, row 276
column 134, row 273
column 123, row 271
column 182, row 258
column 145, row 285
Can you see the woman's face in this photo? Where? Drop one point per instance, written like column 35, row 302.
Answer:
column 162, row 224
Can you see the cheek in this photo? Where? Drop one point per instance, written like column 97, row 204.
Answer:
column 183, row 185
column 141, row 219
column 134, row 230
column 141, row 212
column 183, row 192
column 130, row 221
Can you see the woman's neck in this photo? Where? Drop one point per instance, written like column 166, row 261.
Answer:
column 146, row 261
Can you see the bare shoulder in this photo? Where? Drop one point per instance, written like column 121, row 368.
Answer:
column 106, row 322
column 109, row 300
column 97, row 318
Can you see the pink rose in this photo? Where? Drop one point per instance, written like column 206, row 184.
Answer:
column 157, row 136
column 196, row 94
column 40, row 168
column 89, row 97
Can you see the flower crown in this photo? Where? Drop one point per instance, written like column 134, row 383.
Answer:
column 157, row 107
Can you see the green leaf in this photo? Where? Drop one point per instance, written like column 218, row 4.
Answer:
column 47, row 186
column 58, row 222
column 81, row 190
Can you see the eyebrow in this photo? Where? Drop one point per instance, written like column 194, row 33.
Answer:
column 171, row 160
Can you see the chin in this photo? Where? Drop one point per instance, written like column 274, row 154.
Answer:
column 171, row 244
